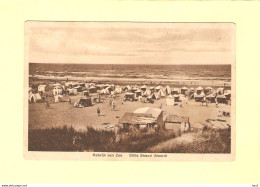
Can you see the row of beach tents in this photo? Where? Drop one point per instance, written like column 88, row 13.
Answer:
column 132, row 92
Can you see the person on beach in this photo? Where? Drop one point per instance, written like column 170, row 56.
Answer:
column 47, row 104
column 69, row 100
column 161, row 106
column 98, row 111
column 122, row 101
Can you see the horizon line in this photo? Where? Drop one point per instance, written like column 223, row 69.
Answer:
column 117, row 63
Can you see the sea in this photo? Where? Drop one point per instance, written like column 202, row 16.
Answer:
column 204, row 73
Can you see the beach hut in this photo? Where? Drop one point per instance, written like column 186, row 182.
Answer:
column 168, row 90
column 184, row 90
column 146, row 117
column 79, row 88
column 129, row 96
column 143, row 88
column 170, row 100
column 92, row 89
column 83, row 102
column 177, row 124
column 199, row 97
column 138, row 93
column 176, row 97
column 211, row 98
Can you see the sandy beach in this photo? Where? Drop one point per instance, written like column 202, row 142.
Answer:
column 64, row 113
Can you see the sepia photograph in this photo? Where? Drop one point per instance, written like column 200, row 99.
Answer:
column 126, row 90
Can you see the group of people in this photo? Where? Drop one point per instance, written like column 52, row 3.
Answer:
column 112, row 104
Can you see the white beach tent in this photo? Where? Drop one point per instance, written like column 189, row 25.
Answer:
column 170, row 100
column 168, row 90
column 56, row 98
column 41, row 88
column 72, row 91
column 32, row 98
column 147, row 92
column 161, row 93
column 143, row 88
column 118, row 90
column 104, row 91
column 158, row 88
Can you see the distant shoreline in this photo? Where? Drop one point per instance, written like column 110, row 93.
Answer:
column 138, row 81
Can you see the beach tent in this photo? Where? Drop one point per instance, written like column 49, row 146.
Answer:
column 220, row 91
column 183, row 90
column 161, row 93
column 104, row 91
column 32, row 98
column 168, row 90
column 57, row 91
column 130, row 96
column 143, row 88
column 170, row 100
column 72, row 91
column 221, row 99
column 41, row 88
column 56, row 98
column 151, row 89
column 138, row 93
column 155, row 96
column 86, row 93
column 199, row 97
column 199, row 90
column 175, row 91
column 158, row 88
column 134, row 89
column 79, row 88
column 147, row 93
column 208, row 89
column 118, row 90
column 228, row 94
column 128, row 88
column 37, row 96
column 211, row 98
column 83, row 102
column 176, row 97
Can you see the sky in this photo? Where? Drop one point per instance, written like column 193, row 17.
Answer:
column 130, row 43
